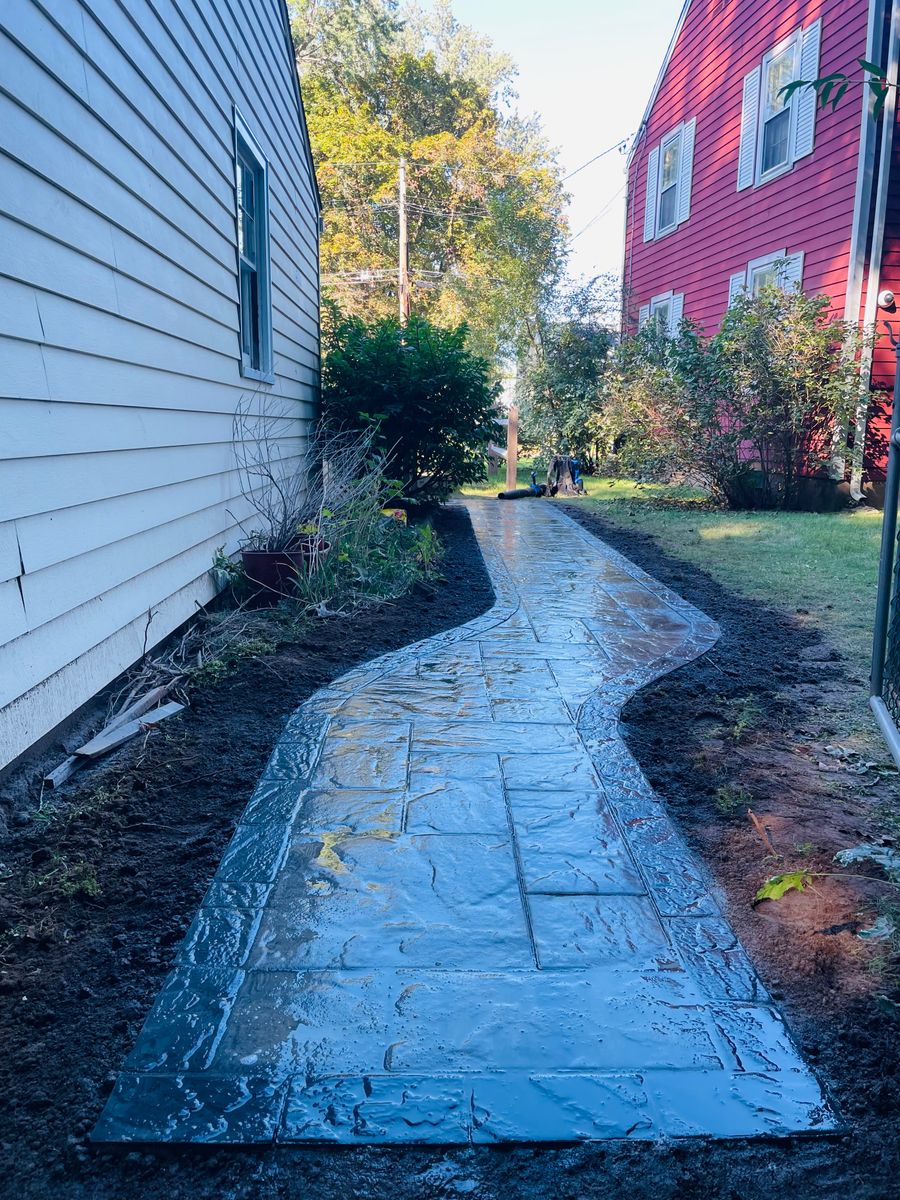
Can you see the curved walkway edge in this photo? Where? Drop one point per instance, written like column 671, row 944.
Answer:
column 454, row 910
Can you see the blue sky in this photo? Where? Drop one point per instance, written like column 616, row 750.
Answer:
column 586, row 67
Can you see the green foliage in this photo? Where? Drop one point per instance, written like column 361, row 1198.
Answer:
column 485, row 202
column 728, row 799
column 832, row 88
column 750, row 412
column 370, row 558
column 779, row 885
column 427, row 398
column 562, row 387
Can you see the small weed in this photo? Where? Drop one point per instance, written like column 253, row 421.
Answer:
column 747, row 717
column 213, row 670
column 729, row 799
column 64, row 878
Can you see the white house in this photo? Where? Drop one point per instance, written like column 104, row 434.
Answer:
column 159, row 225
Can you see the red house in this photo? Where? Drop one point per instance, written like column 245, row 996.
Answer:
column 726, row 178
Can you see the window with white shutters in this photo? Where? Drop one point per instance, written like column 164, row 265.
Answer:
column 670, row 166
column 777, row 131
column 667, row 309
column 778, row 269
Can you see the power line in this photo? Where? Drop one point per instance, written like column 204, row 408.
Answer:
column 602, row 213
column 619, row 145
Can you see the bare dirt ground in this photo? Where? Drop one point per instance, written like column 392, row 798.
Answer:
column 93, row 903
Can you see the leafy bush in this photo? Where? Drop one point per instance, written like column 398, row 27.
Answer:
column 752, row 412
column 428, row 400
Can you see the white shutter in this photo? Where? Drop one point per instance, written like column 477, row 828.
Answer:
column 749, row 129
column 686, row 170
column 650, row 202
column 736, row 285
column 676, row 312
column 643, row 315
column 791, row 274
column 805, row 98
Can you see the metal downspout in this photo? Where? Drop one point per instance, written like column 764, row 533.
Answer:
column 889, row 116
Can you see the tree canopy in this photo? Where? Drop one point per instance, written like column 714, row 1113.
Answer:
column 485, row 202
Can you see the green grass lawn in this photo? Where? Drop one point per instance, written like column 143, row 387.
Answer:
column 821, row 567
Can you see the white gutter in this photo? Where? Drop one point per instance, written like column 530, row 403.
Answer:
column 888, row 120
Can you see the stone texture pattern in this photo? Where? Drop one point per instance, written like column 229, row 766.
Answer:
column 454, row 911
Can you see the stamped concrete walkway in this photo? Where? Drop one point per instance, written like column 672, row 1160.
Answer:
column 454, row 910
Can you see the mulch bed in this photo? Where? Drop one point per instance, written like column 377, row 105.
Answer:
column 151, row 826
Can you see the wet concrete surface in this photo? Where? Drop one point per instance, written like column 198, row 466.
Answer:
column 455, row 912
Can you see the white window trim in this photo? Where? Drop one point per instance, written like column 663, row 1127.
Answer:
column 675, row 301
column 674, row 135
column 788, row 165
column 765, row 260
column 265, row 373
column 677, row 133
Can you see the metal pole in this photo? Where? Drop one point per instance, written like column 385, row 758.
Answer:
column 403, row 255
column 888, row 533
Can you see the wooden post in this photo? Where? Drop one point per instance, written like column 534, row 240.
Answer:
column 512, row 448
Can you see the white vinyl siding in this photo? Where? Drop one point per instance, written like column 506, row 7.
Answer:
column 670, row 167
column 776, row 132
column 119, row 324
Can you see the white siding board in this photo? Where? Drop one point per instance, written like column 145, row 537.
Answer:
column 40, row 485
column 83, row 378
column 32, row 258
column 10, row 561
column 38, row 653
column 33, row 143
column 13, row 622
column 30, row 429
column 117, row 198
column 27, row 25
column 72, row 582
column 22, row 373
column 19, row 316
column 33, row 714
column 52, row 537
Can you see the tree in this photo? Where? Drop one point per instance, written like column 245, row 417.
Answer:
column 428, row 399
column 485, row 203
column 562, row 387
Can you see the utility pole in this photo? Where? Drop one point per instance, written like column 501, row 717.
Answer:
column 403, row 259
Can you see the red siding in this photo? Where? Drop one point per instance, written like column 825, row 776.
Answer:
column 809, row 208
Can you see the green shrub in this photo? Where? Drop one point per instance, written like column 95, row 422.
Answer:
column 752, row 412
column 429, row 401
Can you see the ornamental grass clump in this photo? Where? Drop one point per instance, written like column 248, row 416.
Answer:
column 755, row 412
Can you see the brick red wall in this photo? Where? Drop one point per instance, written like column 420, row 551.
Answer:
column 809, row 208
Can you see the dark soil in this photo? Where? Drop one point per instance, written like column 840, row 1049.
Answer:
column 81, row 970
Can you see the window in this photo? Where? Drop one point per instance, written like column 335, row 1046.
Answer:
column 666, row 310
column 254, row 287
column 779, row 268
column 776, row 132
column 778, row 72
column 670, row 166
column 668, row 184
